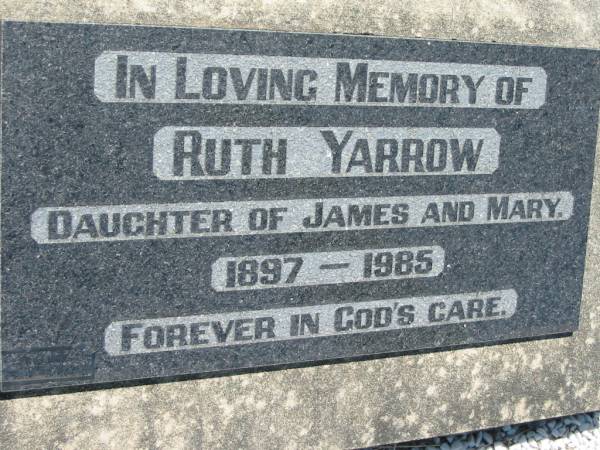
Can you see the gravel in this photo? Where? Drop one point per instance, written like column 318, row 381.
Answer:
column 581, row 431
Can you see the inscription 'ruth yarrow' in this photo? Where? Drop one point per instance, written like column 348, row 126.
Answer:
column 194, row 220
column 196, row 153
column 158, row 77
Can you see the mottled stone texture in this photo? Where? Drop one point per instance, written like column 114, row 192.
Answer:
column 343, row 405
column 548, row 22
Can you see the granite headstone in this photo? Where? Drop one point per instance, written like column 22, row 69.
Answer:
column 187, row 201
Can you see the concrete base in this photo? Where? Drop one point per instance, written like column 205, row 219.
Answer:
column 354, row 404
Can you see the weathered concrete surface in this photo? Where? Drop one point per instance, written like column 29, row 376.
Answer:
column 548, row 22
column 344, row 405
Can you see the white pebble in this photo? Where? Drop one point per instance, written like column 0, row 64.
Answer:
column 578, row 432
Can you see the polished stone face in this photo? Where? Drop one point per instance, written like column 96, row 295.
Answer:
column 180, row 201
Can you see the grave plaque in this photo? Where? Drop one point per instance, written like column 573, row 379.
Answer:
column 188, row 201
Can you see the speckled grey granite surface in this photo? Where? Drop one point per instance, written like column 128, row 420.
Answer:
column 344, row 405
column 526, row 265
